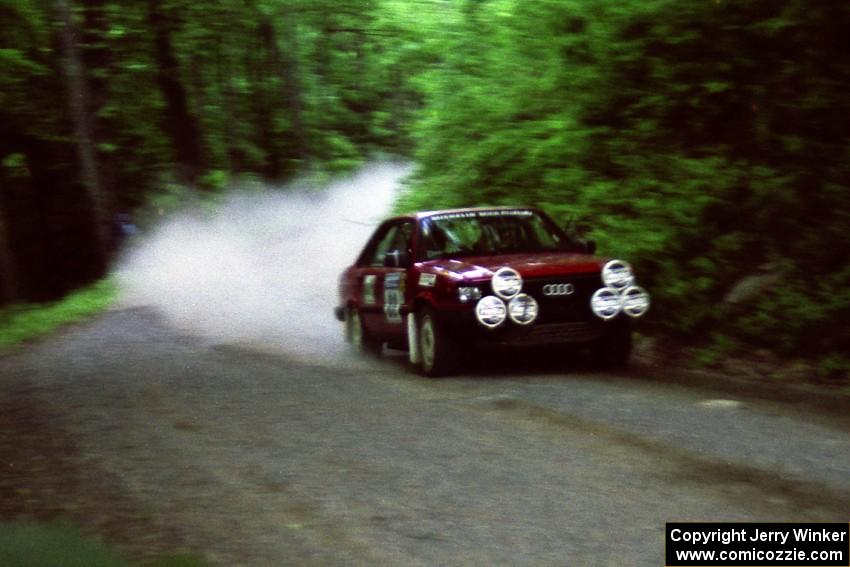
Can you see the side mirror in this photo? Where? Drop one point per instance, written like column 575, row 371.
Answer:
column 589, row 246
column 397, row 259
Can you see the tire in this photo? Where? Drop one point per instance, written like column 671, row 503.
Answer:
column 437, row 353
column 361, row 340
column 614, row 348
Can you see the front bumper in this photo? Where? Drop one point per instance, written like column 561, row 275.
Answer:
column 463, row 327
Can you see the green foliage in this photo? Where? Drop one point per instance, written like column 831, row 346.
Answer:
column 215, row 180
column 715, row 350
column 707, row 142
column 26, row 545
column 23, row 322
column 59, row 545
column 833, row 366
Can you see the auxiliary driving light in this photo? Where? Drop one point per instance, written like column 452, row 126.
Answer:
column 523, row 309
column 617, row 274
column 605, row 303
column 506, row 282
column 491, row 311
column 635, row 301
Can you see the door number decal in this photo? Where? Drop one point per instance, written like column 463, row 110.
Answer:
column 393, row 296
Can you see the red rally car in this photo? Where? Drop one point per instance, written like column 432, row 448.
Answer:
column 439, row 283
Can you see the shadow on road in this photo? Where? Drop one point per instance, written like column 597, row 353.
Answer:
column 515, row 364
column 565, row 363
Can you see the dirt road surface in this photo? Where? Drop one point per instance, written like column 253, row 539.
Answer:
column 253, row 458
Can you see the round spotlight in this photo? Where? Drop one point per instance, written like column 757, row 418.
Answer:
column 635, row 301
column 617, row 274
column 605, row 303
column 491, row 311
column 523, row 309
column 506, row 283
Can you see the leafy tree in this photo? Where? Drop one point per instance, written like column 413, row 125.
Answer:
column 707, row 140
column 148, row 93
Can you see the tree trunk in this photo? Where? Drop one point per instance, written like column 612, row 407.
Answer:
column 79, row 104
column 96, row 59
column 292, row 87
column 8, row 274
column 286, row 64
column 262, row 97
column 181, row 126
column 230, row 108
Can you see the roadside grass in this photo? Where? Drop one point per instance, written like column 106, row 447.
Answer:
column 22, row 322
column 59, row 545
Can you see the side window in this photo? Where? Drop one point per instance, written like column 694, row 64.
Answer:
column 384, row 246
column 397, row 241
column 389, row 238
column 403, row 238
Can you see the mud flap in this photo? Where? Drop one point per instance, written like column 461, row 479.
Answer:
column 412, row 339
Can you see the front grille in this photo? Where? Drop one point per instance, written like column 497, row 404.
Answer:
column 564, row 308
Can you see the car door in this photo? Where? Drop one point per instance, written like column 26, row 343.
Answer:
column 384, row 274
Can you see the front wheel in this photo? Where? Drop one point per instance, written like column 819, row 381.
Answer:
column 360, row 338
column 437, row 354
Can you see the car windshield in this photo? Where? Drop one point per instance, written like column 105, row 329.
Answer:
column 481, row 233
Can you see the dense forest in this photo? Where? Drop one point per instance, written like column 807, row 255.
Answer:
column 103, row 102
column 706, row 141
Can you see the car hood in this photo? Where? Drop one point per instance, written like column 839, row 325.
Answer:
column 545, row 264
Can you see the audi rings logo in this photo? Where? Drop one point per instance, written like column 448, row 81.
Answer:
column 559, row 289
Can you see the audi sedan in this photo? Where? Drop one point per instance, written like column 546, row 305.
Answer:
column 439, row 283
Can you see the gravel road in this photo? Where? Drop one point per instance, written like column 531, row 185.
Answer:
column 253, row 457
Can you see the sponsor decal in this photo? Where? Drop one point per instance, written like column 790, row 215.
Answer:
column 427, row 280
column 393, row 296
column 369, row 289
column 559, row 289
column 482, row 214
column 394, row 280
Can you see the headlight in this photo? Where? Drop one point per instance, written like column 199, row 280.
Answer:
column 635, row 301
column 523, row 309
column 605, row 303
column 506, row 283
column 617, row 274
column 467, row 294
column 491, row 311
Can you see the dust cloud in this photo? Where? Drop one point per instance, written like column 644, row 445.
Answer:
column 262, row 270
